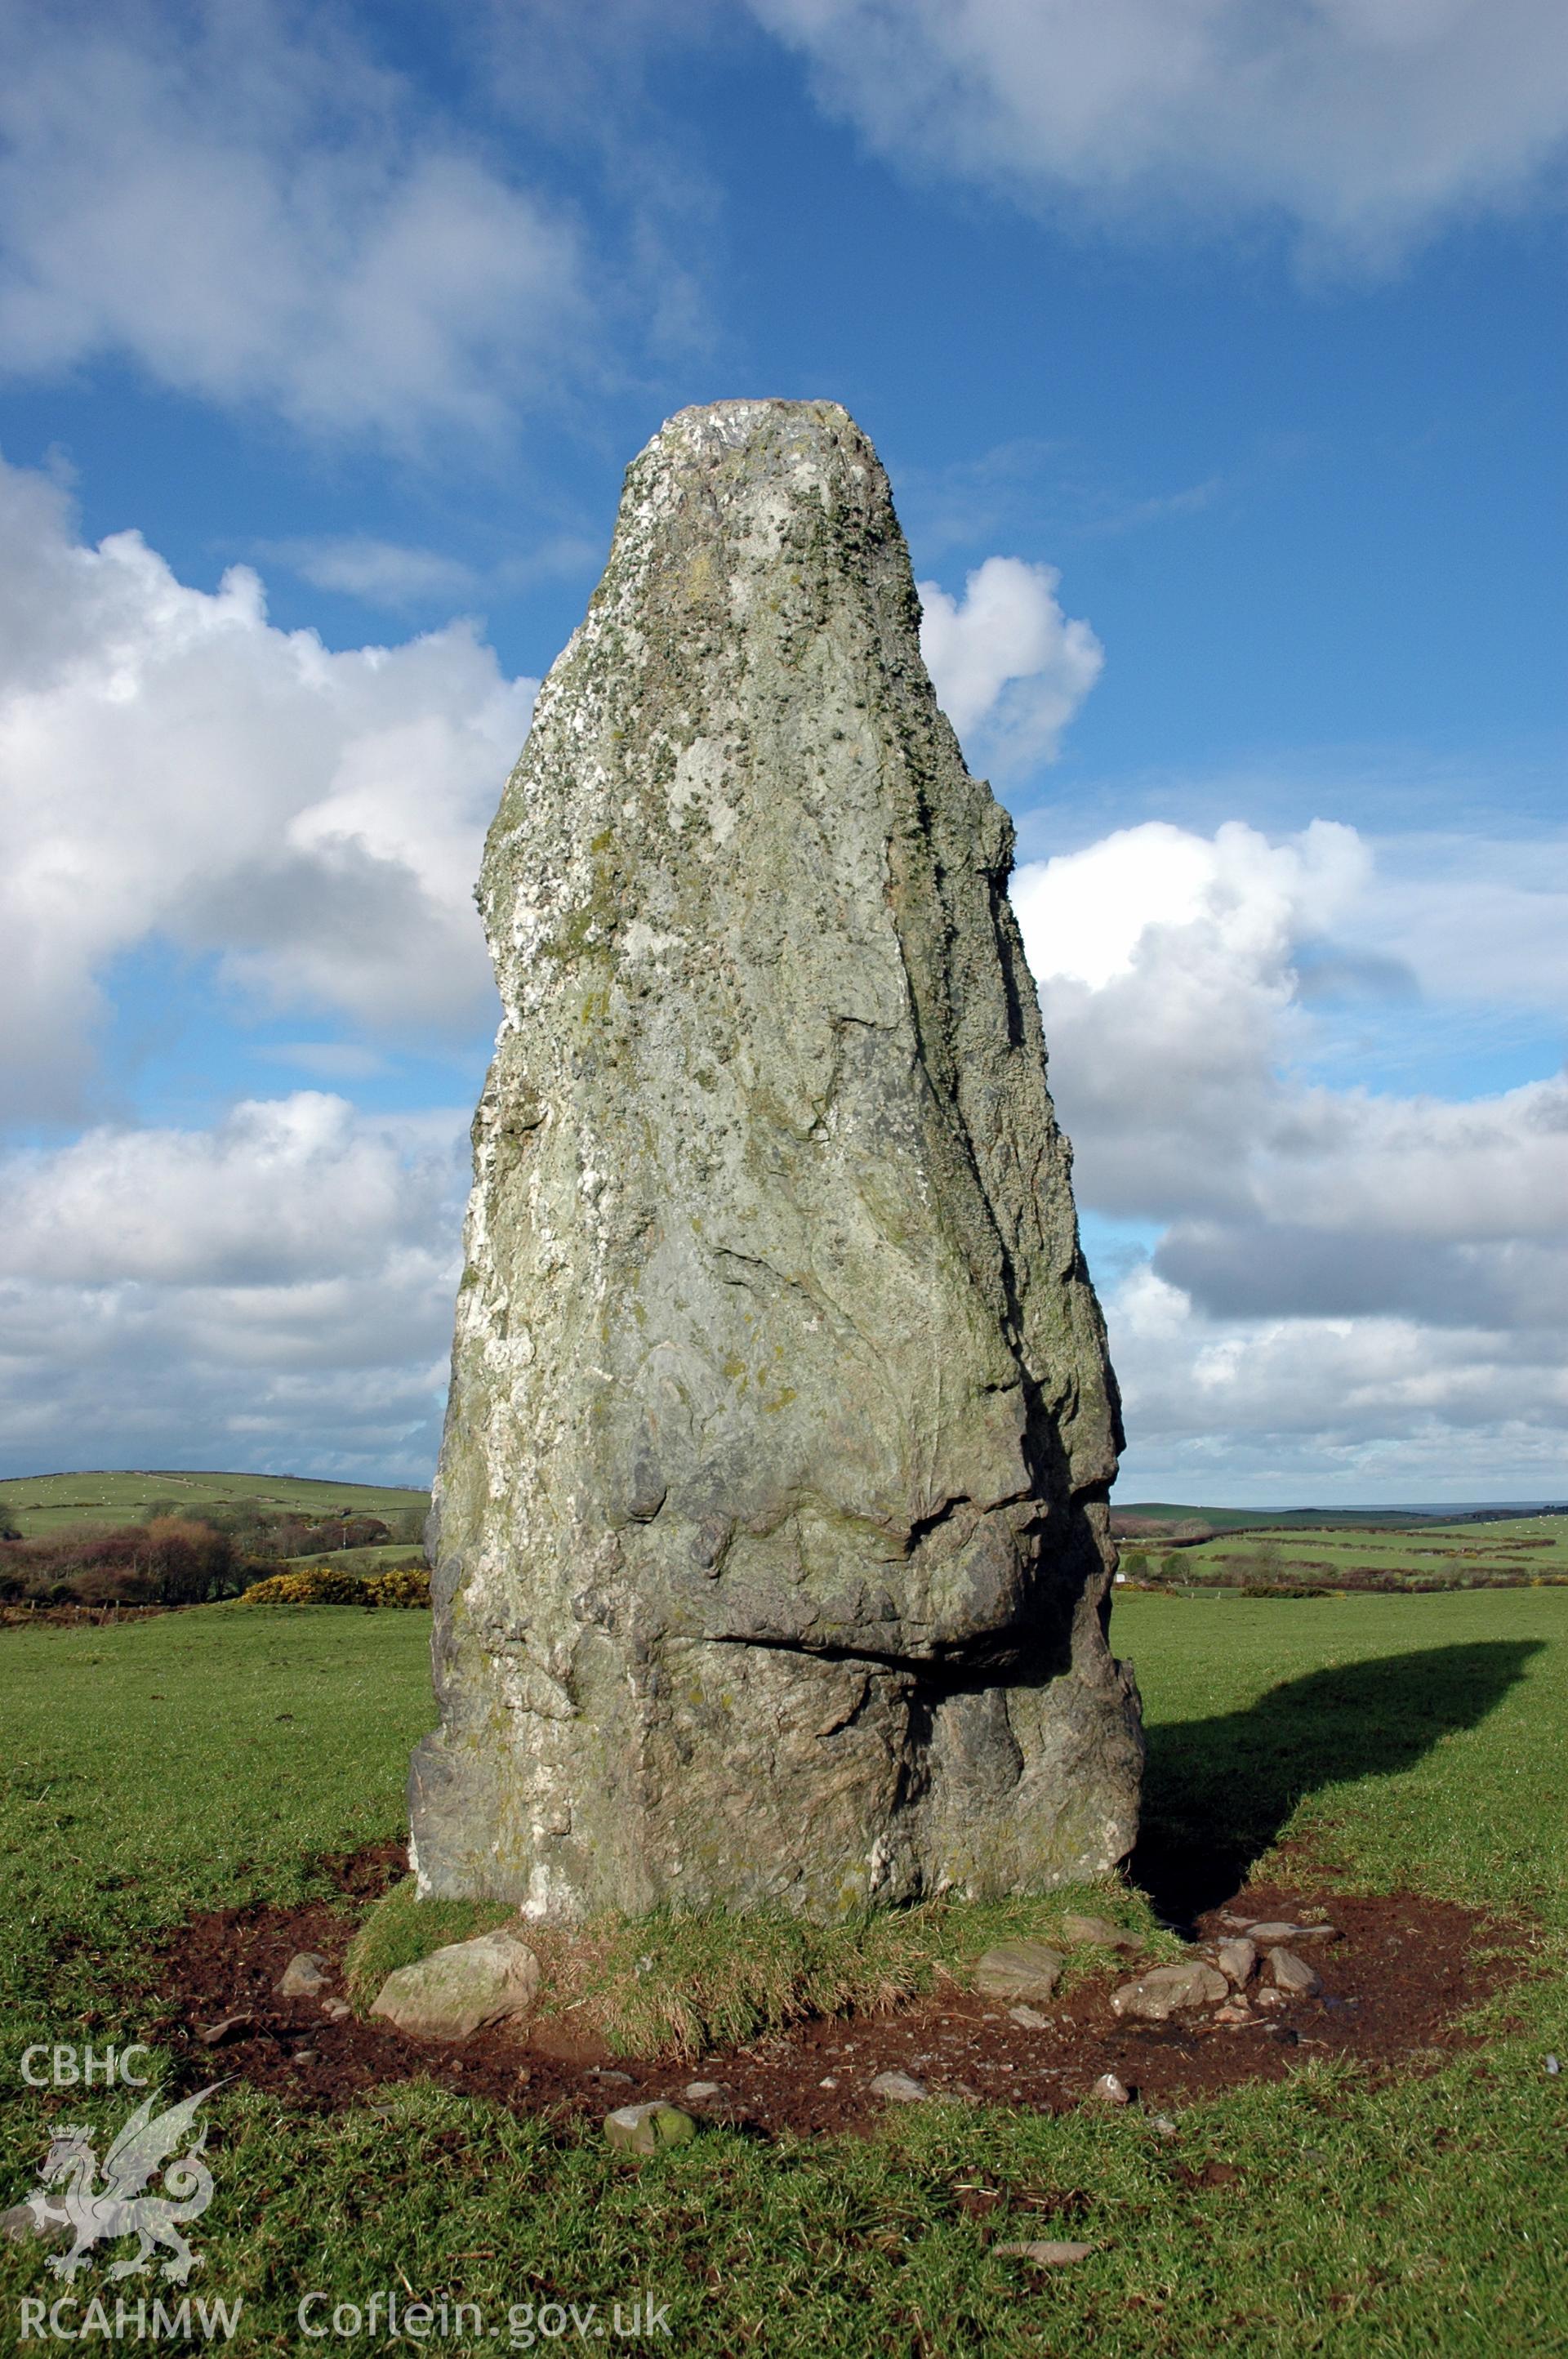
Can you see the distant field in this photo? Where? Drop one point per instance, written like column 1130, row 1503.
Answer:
column 1164, row 1511
column 377, row 1558
column 1461, row 1555
column 38, row 1505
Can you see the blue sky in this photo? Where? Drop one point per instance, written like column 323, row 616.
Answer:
column 1214, row 351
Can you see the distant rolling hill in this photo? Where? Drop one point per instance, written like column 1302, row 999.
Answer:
column 1231, row 1520
column 1166, row 1513
column 38, row 1505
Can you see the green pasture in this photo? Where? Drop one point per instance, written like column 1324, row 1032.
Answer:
column 1167, row 1511
column 378, row 1558
column 1527, row 1548
column 211, row 1757
column 38, row 1505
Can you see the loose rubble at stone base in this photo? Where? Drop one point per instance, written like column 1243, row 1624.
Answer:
column 1395, row 1973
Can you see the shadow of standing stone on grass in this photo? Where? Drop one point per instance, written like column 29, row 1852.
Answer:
column 1217, row 1793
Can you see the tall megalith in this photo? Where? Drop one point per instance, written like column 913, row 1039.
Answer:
column 770, row 1534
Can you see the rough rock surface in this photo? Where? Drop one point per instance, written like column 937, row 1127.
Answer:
column 1019, row 1969
column 769, row 1538
column 458, row 1989
column 900, row 2088
column 305, row 1976
column 1236, row 1959
column 1166, row 1990
column 643, row 2129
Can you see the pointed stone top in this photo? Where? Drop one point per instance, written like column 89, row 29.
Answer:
column 739, row 423
column 752, row 443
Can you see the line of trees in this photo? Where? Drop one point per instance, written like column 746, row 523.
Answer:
column 281, row 1531
column 168, row 1558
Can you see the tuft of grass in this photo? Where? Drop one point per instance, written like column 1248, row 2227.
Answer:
column 693, row 1979
column 701, row 1978
column 400, row 1928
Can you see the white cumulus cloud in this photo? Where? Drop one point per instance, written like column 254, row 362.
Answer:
column 1369, row 122
column 1288, row 1409
column 177, row 767
column 283, row 1189
column 1479, row 919
column 1164, row 961
column 1009, row 668
column 275, row 1291
column 250, row 208
column 1348, row 1293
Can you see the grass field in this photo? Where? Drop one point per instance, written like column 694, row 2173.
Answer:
column 209, row 1757
column 378, row 1558
column 38, row 1505
column 1521, row 1549
column 1167, row 1511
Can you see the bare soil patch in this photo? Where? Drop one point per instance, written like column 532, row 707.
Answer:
column 1402, row 1971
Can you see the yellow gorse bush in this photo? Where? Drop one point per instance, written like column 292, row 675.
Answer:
column 322, row 1584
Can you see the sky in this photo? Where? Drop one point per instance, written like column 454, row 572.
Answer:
column 1214, row 351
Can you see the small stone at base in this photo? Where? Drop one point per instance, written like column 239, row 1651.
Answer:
column 230, row 2027
column 899, row 2088
column 1292, row 1973
column 1019, row 1969
column 1028, row 2020
column 305, row 1975
column 1111, row 2091
column 1163, row 1990
column 1236, row 1959
column 455, row 1991
column 645, row 2129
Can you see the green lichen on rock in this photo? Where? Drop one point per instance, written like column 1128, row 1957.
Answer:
column 770, row 1530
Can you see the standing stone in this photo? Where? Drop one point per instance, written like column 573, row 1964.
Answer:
column 770, row 1534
